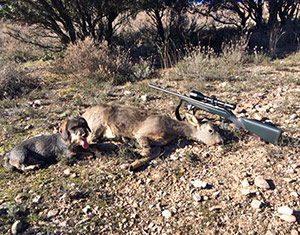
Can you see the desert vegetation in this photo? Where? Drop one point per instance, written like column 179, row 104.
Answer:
column 59, row 57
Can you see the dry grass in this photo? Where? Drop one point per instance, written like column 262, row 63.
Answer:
column 99, row 62
column 14, row 82
column 203, row 64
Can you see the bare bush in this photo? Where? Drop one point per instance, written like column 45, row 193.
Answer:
column 20, row 44
column 86, row 59
column 203, row 64
column 14, row 82
column 235, row 51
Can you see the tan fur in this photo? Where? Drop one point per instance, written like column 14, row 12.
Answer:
column 147, row 128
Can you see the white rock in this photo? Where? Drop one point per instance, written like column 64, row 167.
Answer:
column 261, row 182
column 174, row 157
column 257, row 116
column 197, row 197
column 52, row 213
column 285, row 210
column 256, row 204
column 167, row 214
column 245, row 183
column 127, row 92
column 199, row 184
column 223, row 84
column 36, row 199
column 294, row 232
column 245, row 191
column 125, row 166
column 67, row 171
column 293, row 116
column 144, row 98
column 19, row 198
column 86, row 209
column 288, row 218
column 294, row 194
column 17, row 227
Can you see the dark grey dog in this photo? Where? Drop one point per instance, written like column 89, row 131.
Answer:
column 40, row 150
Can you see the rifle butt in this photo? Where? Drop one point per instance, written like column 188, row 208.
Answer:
column 265, row 131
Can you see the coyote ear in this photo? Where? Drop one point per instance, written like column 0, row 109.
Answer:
column 63, row 130
column 192, row 119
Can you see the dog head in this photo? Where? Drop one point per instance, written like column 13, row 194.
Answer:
column 75, row 131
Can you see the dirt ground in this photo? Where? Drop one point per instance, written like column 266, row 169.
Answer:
column 190, row 189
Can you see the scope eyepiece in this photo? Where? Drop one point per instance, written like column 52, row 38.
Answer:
column 212, row 100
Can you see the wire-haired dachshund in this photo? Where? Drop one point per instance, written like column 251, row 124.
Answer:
column 44, row 149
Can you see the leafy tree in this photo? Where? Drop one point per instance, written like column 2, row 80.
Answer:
column 271, row 16
column 70, row 20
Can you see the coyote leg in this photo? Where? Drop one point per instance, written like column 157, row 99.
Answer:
column 146, row 151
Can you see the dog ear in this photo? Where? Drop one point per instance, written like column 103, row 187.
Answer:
column 63, row 131
column 85, row 124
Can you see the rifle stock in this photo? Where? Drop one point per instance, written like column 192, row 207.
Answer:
column 265, row 131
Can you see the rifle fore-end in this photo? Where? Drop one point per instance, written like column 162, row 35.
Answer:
column 266, row 132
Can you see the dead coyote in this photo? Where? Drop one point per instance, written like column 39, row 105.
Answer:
column 150, row 130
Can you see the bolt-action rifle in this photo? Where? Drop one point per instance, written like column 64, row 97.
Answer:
column 197, row 100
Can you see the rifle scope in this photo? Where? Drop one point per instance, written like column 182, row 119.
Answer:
column 212, row 100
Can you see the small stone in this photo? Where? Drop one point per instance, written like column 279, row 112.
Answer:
column 197, row 197
column 52, row 213
column 36, row 199
column 270, row 233
column 288, row 218
column 200, row 184
column 144, row 98
column 223, row 84
column 174, row 157
column 19, row 198
column 257, row 116
column 167, row 214
column 18, row 227
column 261, row 182
column 256, row 204
column 285, row 210
column 67, row 171
column 294, row 194
column 63, row 224
column 86, row 209
column 294, row 232
column 245, row 191
column 28, row 127
column 127, row 92
column 245, row 183
column 293, row 116
column 125, row 166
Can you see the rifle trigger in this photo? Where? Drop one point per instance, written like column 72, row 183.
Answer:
column 177, row 115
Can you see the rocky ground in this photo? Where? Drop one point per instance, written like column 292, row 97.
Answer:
column 245, row 186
